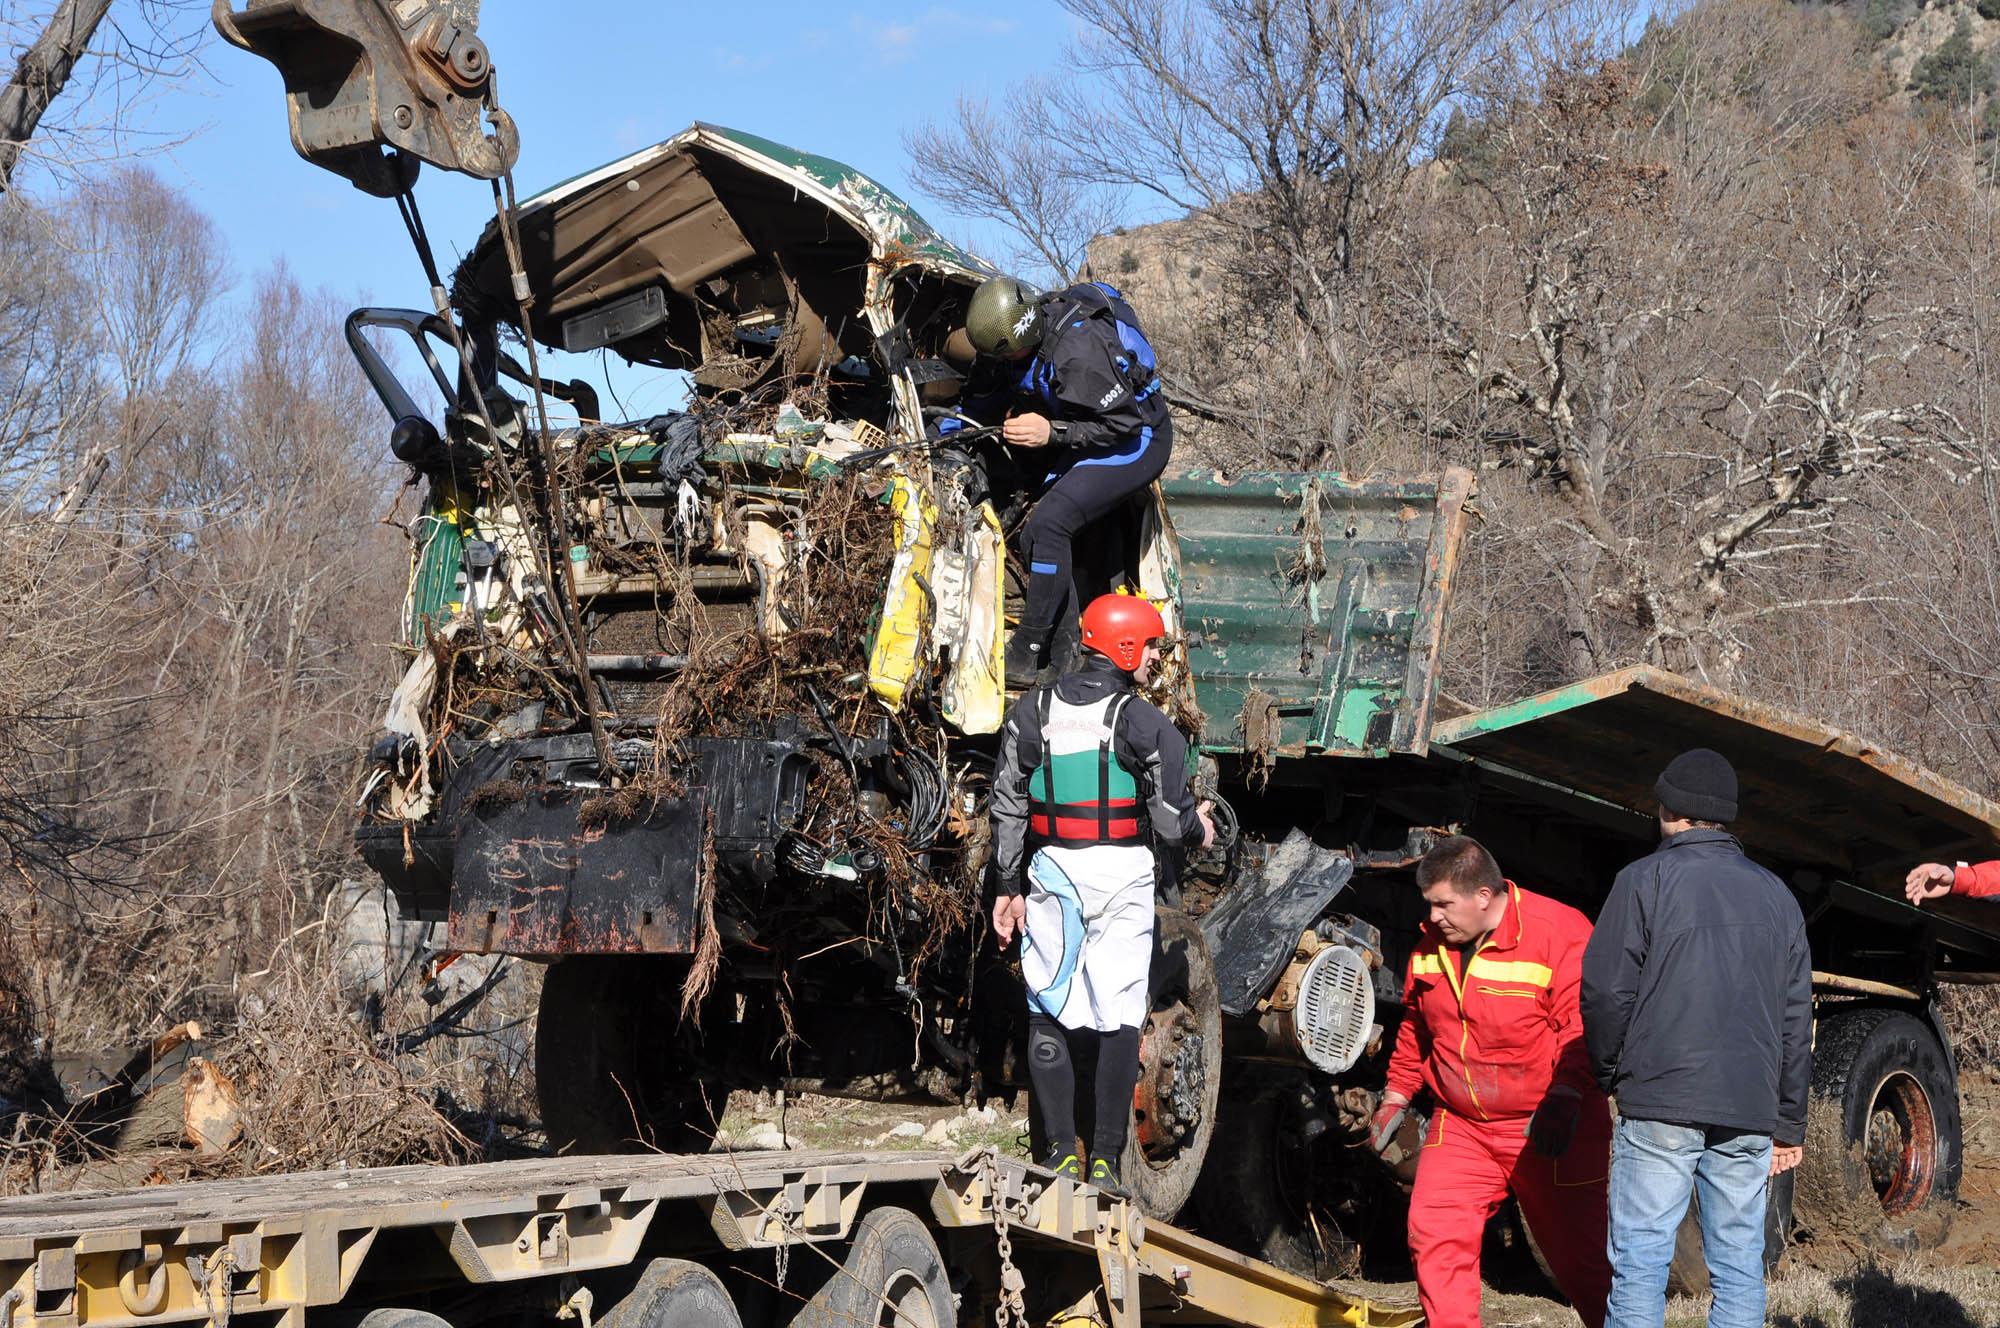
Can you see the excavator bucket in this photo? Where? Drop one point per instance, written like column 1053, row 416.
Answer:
column 375, row 86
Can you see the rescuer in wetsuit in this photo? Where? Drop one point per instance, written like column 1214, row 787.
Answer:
column 1076, row 377
column 1093, row 780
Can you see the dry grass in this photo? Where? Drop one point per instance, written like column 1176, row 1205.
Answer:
column 1915, row 1292
column 326, row 1074
column 318, row 1090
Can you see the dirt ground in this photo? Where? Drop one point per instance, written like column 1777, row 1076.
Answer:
column 1956, row 1285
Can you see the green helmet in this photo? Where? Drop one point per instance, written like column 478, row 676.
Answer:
column 1004, row 317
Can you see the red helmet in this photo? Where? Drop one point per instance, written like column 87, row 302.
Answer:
column 1119, row 626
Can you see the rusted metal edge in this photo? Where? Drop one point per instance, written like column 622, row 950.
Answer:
column 1860, row 986
column 1976, row 812
column 1427, row 637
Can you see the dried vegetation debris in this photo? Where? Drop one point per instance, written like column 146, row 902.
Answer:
column 319, row 1090
column 730, row 567
column 313, row 1072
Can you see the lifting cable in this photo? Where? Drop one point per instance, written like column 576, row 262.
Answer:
column 548, row 560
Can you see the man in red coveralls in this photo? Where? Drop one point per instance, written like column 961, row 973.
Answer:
column 1491, row 1028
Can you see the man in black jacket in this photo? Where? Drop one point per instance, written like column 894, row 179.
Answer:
column 1077, row 380
column 1697, row 1012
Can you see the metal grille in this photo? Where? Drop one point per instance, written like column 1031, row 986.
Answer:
column 1336, row 1009
column 634, row 626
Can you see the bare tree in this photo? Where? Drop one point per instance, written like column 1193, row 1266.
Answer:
column 1702, row 340
column 1284, row 128
column 52, row 394
column 100, row 61
column 993, row 164
column 41, row 75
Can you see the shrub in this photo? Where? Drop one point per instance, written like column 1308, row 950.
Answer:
column 1953, row 72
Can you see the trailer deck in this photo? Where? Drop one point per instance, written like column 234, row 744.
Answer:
column 270, row 1249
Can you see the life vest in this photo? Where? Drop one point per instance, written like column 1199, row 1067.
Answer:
column 1079, row 795
column 1135, row 359
column 1100, row 299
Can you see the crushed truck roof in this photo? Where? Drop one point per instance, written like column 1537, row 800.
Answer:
column 673, row 254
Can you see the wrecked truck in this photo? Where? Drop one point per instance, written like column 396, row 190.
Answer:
column 701, row 708
column 701, row 711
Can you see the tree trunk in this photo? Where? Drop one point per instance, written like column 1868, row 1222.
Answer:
column 39, row 78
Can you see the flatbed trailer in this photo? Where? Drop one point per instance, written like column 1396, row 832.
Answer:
column 921, row 1240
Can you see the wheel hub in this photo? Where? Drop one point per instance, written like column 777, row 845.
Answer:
column 1172, row 1080
column 1900, row 1144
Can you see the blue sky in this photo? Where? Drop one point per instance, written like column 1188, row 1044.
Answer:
column 603, row 78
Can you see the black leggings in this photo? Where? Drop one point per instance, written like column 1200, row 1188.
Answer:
column 1111, row 1062
column 1093, row 486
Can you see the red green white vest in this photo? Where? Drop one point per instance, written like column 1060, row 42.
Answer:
column 1079, row 795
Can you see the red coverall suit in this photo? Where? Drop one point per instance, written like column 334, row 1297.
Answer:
column 1488, row 1043
column 1977, row 880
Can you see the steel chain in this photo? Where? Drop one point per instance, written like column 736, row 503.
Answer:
column 1012, row 1309
column 782, row 1256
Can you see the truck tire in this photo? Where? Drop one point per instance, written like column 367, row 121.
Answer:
column 610, row 1074
column 1687, row 1275
column 396, row 1316
column 674, row 1293
column 1180, row 1070
column 891, row 1277
column 1883, row 1133
column 1258, row 1193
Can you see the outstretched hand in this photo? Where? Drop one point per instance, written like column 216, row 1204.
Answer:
column 1929, row 880
column 1205, row 812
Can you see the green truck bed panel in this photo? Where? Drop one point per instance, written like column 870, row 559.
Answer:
column 1322, row 597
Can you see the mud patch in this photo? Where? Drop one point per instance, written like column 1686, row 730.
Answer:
column 1836, row 1216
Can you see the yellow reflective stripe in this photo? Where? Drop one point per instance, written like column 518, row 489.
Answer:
column 1523, row 971
column 1425, row 963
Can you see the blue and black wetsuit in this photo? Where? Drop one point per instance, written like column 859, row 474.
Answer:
column 1095, row 379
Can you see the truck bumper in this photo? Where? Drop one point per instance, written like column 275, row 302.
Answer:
column 517, row 860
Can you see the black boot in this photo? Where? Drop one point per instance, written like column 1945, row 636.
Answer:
column 1025, row 649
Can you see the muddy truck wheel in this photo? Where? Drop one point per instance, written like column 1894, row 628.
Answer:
column 1180, row 1070
column 674, row 1293
column 1883, row 1134
column 610, row 1073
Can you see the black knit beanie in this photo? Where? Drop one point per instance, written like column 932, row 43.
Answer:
column 1699, row 785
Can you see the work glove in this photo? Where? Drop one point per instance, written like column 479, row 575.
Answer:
column 1553, row 1125
column 1387, row 1120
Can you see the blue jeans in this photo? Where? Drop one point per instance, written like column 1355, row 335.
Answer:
column 1654, row 1167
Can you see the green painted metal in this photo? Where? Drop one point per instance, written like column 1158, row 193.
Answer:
column 895, row 224
column 1525, row 711
column 1810, row 795
column 434, row 586
column 1325, row 594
